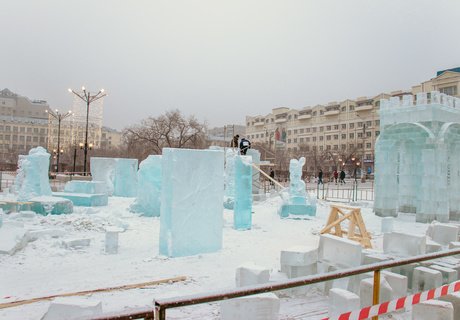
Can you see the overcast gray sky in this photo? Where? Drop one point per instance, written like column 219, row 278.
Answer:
column 222, row 60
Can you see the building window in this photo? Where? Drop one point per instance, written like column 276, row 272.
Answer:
column 352, row 145
column 344, row 125
column 451, row 91
column 343, row 136
column 336, row 127
column 313, row 139
column 321, row 138
column 321, row 129
column 295, row 131
column 368, row 124
column 307, row 139
column 321, row 148
column 344, row 108
column 368, row 145
column 328, row 128
column 360, row 134
column 336, row 147
column 301, row 140
column 321, row 112
column 368, row 156
column 295, row 140
column 352, row 125
column 328, row 138
column 314, row 129
column 360, row 124
column 343, row 146
column 328, row 147
column 352, row 136
column 336, row 137
column 377, row 122
column 351, row 108
column 308, row 129
column 301, row 130
column 377, row 133
column 360, row 145
column 368, row 134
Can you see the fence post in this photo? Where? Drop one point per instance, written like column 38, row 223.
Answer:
column 160, row 313
column 375, row 297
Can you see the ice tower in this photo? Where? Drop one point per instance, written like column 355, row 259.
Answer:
column 416, row 155
column 192, row 189
column 149, row 187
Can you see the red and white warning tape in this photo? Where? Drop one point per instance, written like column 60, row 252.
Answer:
column 398, row 304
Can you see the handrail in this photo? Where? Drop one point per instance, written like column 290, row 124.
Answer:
column 162, row 304
column 268, row 177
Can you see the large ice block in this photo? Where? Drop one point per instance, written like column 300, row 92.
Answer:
column 149, row 187
column 119, row 175
column 229, row 176
column 90, row 187
column 242, row 213
column 192, row 190
column 45, row 205
column 32, row 175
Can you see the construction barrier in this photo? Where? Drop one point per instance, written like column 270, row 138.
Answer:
column 398, row 304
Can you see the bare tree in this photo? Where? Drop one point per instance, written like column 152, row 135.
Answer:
column 170, row 130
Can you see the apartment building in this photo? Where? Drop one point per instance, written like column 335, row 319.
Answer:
column 337, row 134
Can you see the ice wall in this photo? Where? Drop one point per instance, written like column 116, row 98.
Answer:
column 149, row 187
column 192, row 190
column 242, row 213
column 119, row 174
column 32, row 176
column 230, row 155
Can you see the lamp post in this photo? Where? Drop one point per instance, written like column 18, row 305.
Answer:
column 88, row 99
column 59, row 117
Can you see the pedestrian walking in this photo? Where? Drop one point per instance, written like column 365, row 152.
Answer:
column 272, row 175
column 336, row 175
column 342, row 176
column 320, row 176
column 234, row 142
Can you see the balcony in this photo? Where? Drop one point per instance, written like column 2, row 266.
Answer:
column 331, row 112
column 259, row 123
column 304, row 116
column 364, row 107
column 280, row 120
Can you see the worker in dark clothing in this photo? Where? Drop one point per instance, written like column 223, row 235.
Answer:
column 272, row 175
column 245, row 144
column 234, row 142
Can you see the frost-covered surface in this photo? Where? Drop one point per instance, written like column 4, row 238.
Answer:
column 45, row 268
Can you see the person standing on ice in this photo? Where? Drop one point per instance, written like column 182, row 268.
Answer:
column 320, row 176
column 272, row 175
column 336, row 175
column 245, row 144
column 234, row 142
column 342, row 176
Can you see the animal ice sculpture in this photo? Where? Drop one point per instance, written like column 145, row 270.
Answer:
column 32, row 176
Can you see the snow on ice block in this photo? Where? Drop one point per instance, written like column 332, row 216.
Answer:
column 341, row 301
column 149, row 187
column 250, row 274
column 91, row 187
column 84, row 199
column 242, row 212
column 339, row 251
column 448, row 275
column 12, row 239
column 373, row 257
column 103, row 169
column 432, row 246
column 397, row 282
column 264, row 306
column 32, row 179
column 72, row 308
column 425, row 278
column 403, row 244
column 299, row 256
column 433, row 310
column 76, row 243
column 453, row 298
column 444, row 233
column 366, row 289
column 44, row 233
column 192, row 190
column 45, row 205
column 125, row 182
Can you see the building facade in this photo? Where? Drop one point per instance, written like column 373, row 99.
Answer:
column 338, row 134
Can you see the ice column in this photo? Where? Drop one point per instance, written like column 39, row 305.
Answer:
column 149, row 187
column 230, row 156
column 32, row 179
column 242, row 216
column 192, row 190
column 125, row 183
column 386, row 184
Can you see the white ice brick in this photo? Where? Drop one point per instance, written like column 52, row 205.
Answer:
column 12, row 239
column 444, row 233
column 76, row 243
column 449, row 275
column 262, row 306
column 453, row 298
column 251, row 274
column 398, row 283
column 341, row 301
column 376, row 257
column 301, row 271
column 433, row 310
column 339, row 251
column 432, row 246
column 366, row 289
column 403, row 244
column 387, row 224
column 299, row 256
column 111, row 239
column 425, row 278
column 72, row 308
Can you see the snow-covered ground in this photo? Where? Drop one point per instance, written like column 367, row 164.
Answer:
column 45, row 268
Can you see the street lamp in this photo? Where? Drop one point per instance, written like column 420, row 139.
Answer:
column 88, row 99
column 59, row 117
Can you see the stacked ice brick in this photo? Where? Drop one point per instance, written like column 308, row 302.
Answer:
column 417, row 150
column 118, row 174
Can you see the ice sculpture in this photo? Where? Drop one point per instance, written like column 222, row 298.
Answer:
column 149, row 187
column 257, row 191
column 297, row 203
column 416, row 157
column 242, row 213
column 119, row 175
column 32, row 177
column 192, row 189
